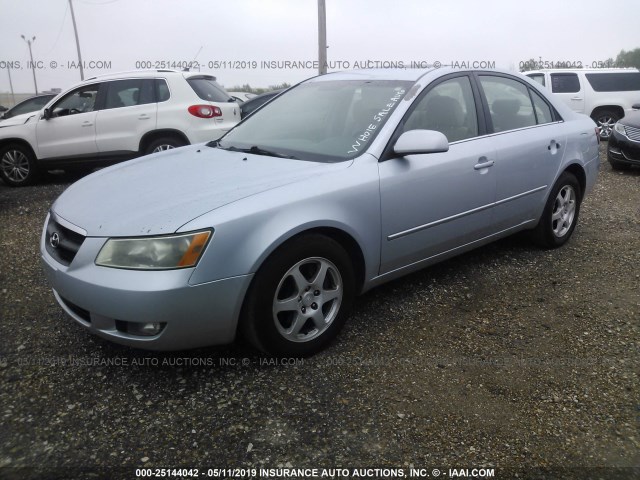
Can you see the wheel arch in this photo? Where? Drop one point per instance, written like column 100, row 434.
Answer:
column 20, row 141
column 149, row 137
column 600, row 108
column 345, row 239
column 578, row 171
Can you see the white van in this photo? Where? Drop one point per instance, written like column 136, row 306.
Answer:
column 605, row 94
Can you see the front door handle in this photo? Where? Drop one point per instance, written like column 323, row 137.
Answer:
column 576, row 98
column 485, row 164
column 87, row 124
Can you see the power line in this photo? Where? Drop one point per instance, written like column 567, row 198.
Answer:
column 59, row 32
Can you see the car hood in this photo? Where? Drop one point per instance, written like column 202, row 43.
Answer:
column 631, row 118
column 159, row 193
column 17, row 120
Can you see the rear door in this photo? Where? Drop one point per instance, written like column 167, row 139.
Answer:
column 529, row 145
column 129, row 111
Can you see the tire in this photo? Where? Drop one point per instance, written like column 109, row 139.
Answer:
column 605, row 119
column 289, row 313
column 163, row 143
column 18, row 166
column 560, row 214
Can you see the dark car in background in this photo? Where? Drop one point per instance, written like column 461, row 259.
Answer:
column 251, row 105
column 27, row 106
column 623, row 150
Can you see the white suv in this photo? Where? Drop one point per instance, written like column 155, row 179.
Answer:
column 111, row 118
column 605, row 94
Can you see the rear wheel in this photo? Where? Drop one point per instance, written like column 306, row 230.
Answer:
column 162, row 144
column 300, row 297
column 560, row 214
column 605, row 119
column 17, row 165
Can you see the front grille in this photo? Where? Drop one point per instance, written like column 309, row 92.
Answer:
column 62, row 243
column 633, row 133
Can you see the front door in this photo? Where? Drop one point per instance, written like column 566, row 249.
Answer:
column 71, row 129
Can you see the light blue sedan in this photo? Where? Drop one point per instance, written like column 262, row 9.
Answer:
column 342, row 183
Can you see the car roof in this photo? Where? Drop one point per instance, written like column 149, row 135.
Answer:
column 586, row 70
column 150, row 74
column 404, row 74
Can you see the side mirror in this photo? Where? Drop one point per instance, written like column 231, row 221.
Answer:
column 46, row 114
column 421, row 141
column 636, row 106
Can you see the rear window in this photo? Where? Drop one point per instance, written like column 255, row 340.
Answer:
column 614, row 82
column 538, row 77
column 565, row 83
column 208, row 89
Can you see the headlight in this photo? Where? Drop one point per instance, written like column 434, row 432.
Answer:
column 618, row 127
column 154, row 253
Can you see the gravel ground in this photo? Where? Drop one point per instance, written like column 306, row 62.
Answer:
column 509, row 357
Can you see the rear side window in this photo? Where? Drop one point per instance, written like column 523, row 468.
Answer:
column 129, row 93
column 565, row 83
column 509, row 103
column 162, row 90
column 208, row 89
column 614, row 82
column 543, row 111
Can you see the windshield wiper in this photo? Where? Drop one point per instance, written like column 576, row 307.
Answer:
column 255, row 150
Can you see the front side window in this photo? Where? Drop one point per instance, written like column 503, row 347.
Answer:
column 448, row 108
column 82, row 100
column 565, row 83
column 509, row 103
column 323, row 121
column 129, row 93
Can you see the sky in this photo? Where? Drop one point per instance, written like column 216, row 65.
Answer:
column 248, row 41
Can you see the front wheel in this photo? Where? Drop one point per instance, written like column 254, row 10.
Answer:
column 300, row 297
column 560, row 214
column 18, row 166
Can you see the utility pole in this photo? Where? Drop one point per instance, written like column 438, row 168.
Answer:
column 322, row 38
column 13, row 96
column 33, row 66
column 75, row 31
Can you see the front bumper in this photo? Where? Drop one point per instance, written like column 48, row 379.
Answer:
column 623, row 149
column 100, row 299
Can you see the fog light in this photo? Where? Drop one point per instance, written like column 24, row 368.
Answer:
column 615, row 151
column 147, row 329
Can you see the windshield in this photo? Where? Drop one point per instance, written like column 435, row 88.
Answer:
column 28, row 106
column 326, row 121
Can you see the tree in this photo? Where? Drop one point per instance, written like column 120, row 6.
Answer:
column 629, row 59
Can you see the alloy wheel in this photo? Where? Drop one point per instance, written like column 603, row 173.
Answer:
column 564, row 211
column 307, row 299
column 15, row 165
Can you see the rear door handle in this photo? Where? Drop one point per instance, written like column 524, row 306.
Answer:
column 144, row 117
column 481, row 165
column 87, row 124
